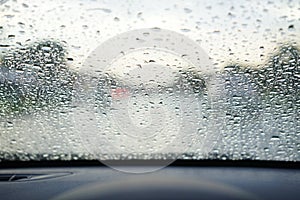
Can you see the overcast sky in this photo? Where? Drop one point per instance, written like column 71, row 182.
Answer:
column 236, row 31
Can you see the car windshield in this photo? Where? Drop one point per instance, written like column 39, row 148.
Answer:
column 152, row 79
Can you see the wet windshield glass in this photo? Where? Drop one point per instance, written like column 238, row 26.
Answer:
column 149, row 80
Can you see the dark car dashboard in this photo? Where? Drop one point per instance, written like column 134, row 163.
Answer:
column 182, row 180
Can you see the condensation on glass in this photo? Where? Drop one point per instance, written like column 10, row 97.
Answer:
column 149, row 103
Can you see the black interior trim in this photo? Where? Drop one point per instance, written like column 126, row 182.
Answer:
column 181, row 163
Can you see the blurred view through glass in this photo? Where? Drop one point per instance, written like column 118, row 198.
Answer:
column 149, row 103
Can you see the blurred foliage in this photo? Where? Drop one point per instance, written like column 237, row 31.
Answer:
column 280, row 76
column 193, row 80
column 276, row 84
column 34, row 77
column 37, row 76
